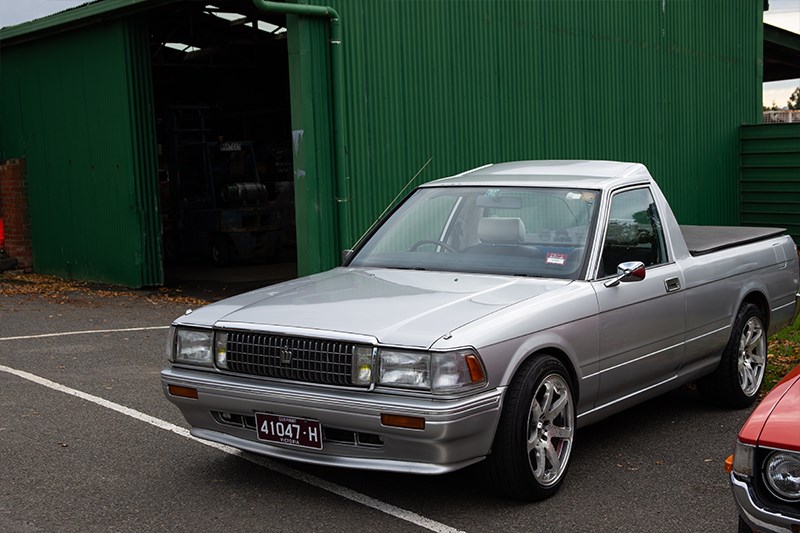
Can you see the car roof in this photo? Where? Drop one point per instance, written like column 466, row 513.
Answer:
column 555, row 173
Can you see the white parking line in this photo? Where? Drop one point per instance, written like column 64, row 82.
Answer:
column 344, row 492
column 65, row 333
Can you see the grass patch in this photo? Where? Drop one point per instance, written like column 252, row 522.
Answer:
column 784, row 354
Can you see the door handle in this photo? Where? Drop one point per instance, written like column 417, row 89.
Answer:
column 672, row 284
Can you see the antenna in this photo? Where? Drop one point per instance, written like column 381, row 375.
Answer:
column 404, row 188
column 395, row 199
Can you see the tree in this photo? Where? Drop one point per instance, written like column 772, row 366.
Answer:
column 794, row 99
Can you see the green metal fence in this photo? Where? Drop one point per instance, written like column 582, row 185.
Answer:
column 770, row 176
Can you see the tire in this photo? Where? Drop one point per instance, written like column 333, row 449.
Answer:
column 532, row 446
column 220, row 251
column 738, row 378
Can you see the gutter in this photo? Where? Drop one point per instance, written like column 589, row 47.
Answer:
column 337, row 73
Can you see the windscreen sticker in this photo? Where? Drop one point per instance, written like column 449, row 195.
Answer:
column 573, row 196
column 556, row 259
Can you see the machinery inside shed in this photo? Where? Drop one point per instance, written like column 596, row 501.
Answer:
column 223, row 125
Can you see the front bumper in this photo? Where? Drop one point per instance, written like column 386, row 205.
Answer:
column 759, row 517
column 457, row 433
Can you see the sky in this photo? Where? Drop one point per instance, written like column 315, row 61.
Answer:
column 782, row 13
column 18, row 11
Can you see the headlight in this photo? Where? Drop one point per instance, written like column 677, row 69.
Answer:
column 456, row 370
column 405, row 369
column 743, row 459
column 782, row 473
column 437, row 372
column 193, row 346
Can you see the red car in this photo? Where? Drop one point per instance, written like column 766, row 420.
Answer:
column 765, row 466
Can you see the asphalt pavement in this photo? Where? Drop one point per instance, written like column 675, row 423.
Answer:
column 89, row 443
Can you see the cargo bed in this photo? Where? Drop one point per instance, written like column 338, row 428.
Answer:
column 703, row 240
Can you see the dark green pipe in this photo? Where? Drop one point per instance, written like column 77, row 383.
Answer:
column 337, row 80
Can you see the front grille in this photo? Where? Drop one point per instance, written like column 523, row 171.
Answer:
column 292, row 358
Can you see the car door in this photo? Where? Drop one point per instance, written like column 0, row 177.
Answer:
column 642, row 323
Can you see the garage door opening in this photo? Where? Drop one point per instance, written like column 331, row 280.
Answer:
column 223, row 125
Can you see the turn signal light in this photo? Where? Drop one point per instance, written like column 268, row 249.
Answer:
column 729, row 464
column 475, row 369
column 399, row 421
column 184, row 392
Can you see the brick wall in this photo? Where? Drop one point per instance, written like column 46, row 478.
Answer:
column 14, row 210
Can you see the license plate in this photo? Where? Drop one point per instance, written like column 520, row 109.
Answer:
column 289, row 430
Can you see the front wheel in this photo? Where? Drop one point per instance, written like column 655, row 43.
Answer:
column 738, row 378
column 532, row 447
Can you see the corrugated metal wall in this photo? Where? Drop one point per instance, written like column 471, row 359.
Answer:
column 660, row 82
column 770, row 176
column 76, row 105
column 312, row 133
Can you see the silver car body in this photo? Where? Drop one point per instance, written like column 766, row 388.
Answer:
column 622, row 344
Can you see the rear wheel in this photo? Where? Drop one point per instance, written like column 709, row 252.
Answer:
column 738, row 378
column 532, row 447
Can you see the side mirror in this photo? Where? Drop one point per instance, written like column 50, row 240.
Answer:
column 626, row 272
column 346, row 255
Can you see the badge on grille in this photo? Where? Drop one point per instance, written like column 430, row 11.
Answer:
column 286, row 355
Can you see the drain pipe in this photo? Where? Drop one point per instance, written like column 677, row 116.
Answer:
column 337, row 69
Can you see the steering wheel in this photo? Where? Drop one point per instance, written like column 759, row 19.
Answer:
column 431, row 241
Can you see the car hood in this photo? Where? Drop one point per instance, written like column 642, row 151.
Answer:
column 780, row 429
column 773, row 423
column 396, row 307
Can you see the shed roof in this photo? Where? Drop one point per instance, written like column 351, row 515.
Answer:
column 98, row 11
column 82, row 15
column 781, row 54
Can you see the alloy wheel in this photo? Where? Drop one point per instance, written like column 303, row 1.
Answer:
column 752, row 356
column 551, row 428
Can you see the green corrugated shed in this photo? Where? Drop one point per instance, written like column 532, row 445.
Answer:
column 72, row 105
column 665, row 83
column 770, row 176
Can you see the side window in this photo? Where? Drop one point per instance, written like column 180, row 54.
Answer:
column 634, row 232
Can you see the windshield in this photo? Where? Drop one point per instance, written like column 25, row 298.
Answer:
column 524, row 231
